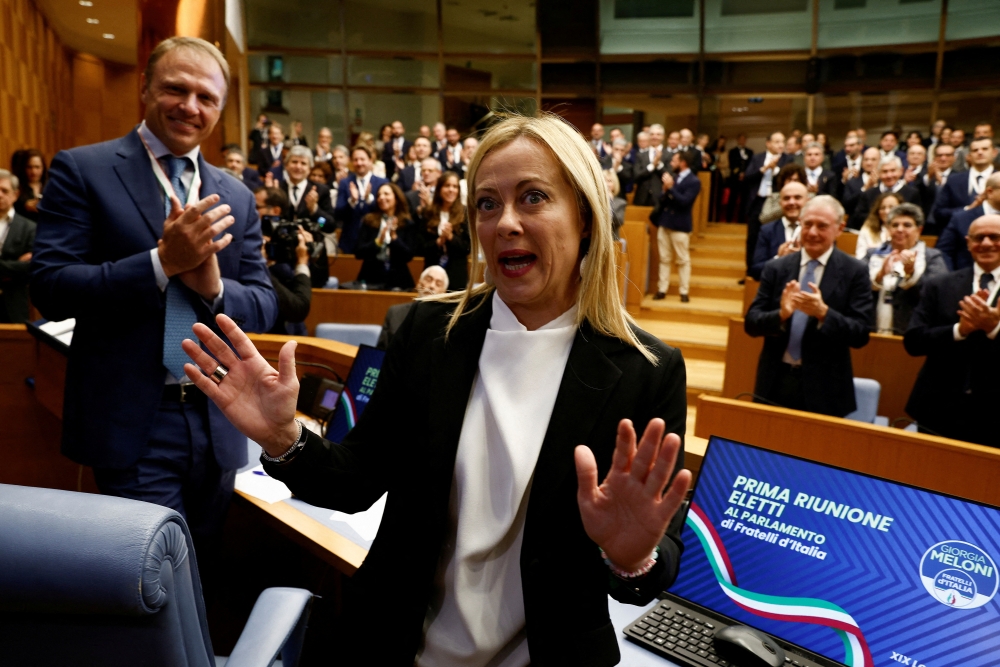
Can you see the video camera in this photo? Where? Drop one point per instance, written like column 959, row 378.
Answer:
column 284, row 236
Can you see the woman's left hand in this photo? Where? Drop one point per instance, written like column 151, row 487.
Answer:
column 628, row 513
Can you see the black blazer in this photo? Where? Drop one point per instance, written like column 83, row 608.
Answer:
column 456, row 251
column 394, row 318
column 406, row 443
column 648, row 185
column 294, row 294
column 828, row 184
column 388, row 157
column 952, row 198
column 952, row 243
column 827, row 376
column 754, row 173
column 772, row 235
column 14, row 274
column 737, row 165
column 401, row 251
column 301, row 212
column 956, row 390
column 867, row 199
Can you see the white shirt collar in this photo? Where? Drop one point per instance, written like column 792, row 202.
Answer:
column 503, row 318
column 9, row 218
column 895, row 188
column 160, row 150
column 823, row 259
column 989, row 210
column 788, row 223
column 977, row 272
column 683, row 174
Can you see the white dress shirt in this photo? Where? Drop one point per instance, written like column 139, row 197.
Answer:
column 5, row 223
column 295, row 192
column 899, row 185
column 478, row 618
column 977, row 180
column 652, row 166
column 977, row 272
column 792, row 229
column 767, row 180
column 854, row 164
column 812, row 175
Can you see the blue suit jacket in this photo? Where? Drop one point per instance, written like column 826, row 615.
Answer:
column 102, row 214
column 673, row 209
column 952, row 243
column 951, row 198
column 349, row 217
column 772, row 235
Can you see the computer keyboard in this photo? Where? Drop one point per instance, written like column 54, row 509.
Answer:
column 683, row 632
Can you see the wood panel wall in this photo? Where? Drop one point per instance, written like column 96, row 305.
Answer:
column 36, row 83
column 105, row 99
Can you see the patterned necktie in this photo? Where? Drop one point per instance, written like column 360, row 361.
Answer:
column 800, row 319
column 180, row 315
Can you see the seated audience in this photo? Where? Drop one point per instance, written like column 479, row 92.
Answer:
column 291, row 280
column 771, row 210
column 356, row 197
column 236, row 164
column 17, row 239
column 618, row 202
column 811, row 308
column 781, row 237
column 965, row 189
column 387, row 242
column 890, row 174
column 432, row 281
column 899, row 268
column 32, row 175
column 445, row 230
column 952, row 241
column 306, row 199
column 819, row 181
column 955, row 326
column 875, row 230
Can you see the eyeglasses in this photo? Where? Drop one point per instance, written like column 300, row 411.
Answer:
column 979, row 238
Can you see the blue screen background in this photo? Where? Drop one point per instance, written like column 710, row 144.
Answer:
column 873, row 575
column 359, row 386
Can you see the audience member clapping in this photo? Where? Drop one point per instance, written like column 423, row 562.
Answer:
column 33, row 174
column 771, row 210
column 781, row 237
column 388, row 240
column 445, row 230
column 952, row 242
column 890, row 174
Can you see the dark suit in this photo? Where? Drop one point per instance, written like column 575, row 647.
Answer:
column 648, row 186
column 755, row 203
column 251, row 179
column 349, row 217
column 14, row 274
column 389, row 156
column 394, row 318
column 455, row 255
column 904, row 301
column 951, row 198
column 736, row 208
column 772, row 235
column 407, row 177
column 827, row 379
column 374, row 271
column 673, row 207
column 301, row 212
column 952, row 242
column 867, row 200
column 956, row 392
column 851, row 193
column 457, row 166
column 293, row 292
column 828, row 183
column 102, row 213
column 406, row 443
column 263, row 158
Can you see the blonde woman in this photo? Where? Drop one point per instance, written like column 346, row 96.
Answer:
column 494, row 523
column 875, row 231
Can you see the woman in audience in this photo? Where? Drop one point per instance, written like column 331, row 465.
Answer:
column 494, row 411
column 32, row 175
column 446, row 232
column 824, row 141
column 914, row 138
column 321, row 173
column 384, row 137
column 387, row 242
column 899, row 267
column 875, row 232
column 772, row 205
column 618, row 202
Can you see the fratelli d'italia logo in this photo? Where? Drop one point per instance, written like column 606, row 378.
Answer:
column 959, row 574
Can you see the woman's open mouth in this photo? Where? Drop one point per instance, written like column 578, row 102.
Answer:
column 516, row 263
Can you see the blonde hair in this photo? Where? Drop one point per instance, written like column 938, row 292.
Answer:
column 598, row 299
column 616, row 186
column 193, row 43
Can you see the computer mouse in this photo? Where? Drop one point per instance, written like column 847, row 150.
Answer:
column 747, row 647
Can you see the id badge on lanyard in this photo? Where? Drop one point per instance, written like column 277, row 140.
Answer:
column 168, row 189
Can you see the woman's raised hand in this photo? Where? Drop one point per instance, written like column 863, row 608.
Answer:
column 257, row 399
column 628, row 513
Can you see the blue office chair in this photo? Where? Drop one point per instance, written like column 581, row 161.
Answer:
column 866, row 395
column 95, row 580
column 352, row 334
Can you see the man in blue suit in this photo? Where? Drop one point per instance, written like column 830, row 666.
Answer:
column 965, row 189
column 952, row 242
column 116, row 250
column 356, row 197
column 781, row 237
column 672, row 216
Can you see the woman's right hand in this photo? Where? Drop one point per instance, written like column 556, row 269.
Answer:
column 258, row 400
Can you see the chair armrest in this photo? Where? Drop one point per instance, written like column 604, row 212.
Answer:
column 277, row 625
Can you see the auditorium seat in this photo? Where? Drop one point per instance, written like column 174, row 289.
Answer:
column 352, row 334
column 866, row 395
column 96, row 580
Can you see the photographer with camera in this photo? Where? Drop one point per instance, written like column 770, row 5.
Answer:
column 287, row 252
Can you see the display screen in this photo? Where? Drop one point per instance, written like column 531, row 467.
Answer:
column 860, row 570
column 357, row 392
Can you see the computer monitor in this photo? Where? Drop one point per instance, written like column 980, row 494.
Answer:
column 860, row 570
column 352, row 401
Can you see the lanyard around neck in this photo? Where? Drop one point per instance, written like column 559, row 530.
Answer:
column 168, row 189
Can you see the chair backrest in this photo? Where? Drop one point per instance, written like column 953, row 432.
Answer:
column 352, row 334
column 866, row 395
column 96, row 580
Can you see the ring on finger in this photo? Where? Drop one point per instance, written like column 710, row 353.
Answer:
column 219, row 374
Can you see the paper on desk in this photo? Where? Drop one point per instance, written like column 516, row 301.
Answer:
column 257, row 483
column 364, row 523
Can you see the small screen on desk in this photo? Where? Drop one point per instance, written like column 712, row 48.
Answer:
column 357, row 392
column 857, row 569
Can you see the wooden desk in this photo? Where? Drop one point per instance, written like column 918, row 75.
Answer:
column 346, row 268
column 352, row 306
column 940, row 464
column 637, row 248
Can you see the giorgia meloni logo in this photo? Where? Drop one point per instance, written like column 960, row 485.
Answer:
column 959, row 574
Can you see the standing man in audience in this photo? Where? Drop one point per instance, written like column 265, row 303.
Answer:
column 422, row 194
column 647, row 171
column 410, row 175
column 812, row 307
column 867, row 179
column 739, row 160
column 916, row 175
column 794, row 150
column 306, row 200
column 955, row 326
column 236, row 163
column 820, row 181
column 601, row 148
column 356, row 197
column 934, row 138
column 440, row 137
column 957, row 141
column 952, row 241
column 781, row 237
column 270, row 157
column 424, row 131
column 890, row 174
column 469, row 147
column 450, row 156
column 889, row 147
column 965, row 190
column 17, row 238
column 759, row 180
column 138, row 239
column 395, row 150
column 672, row 217
column 618, row 162
column 673, row 146
column 838, row 163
